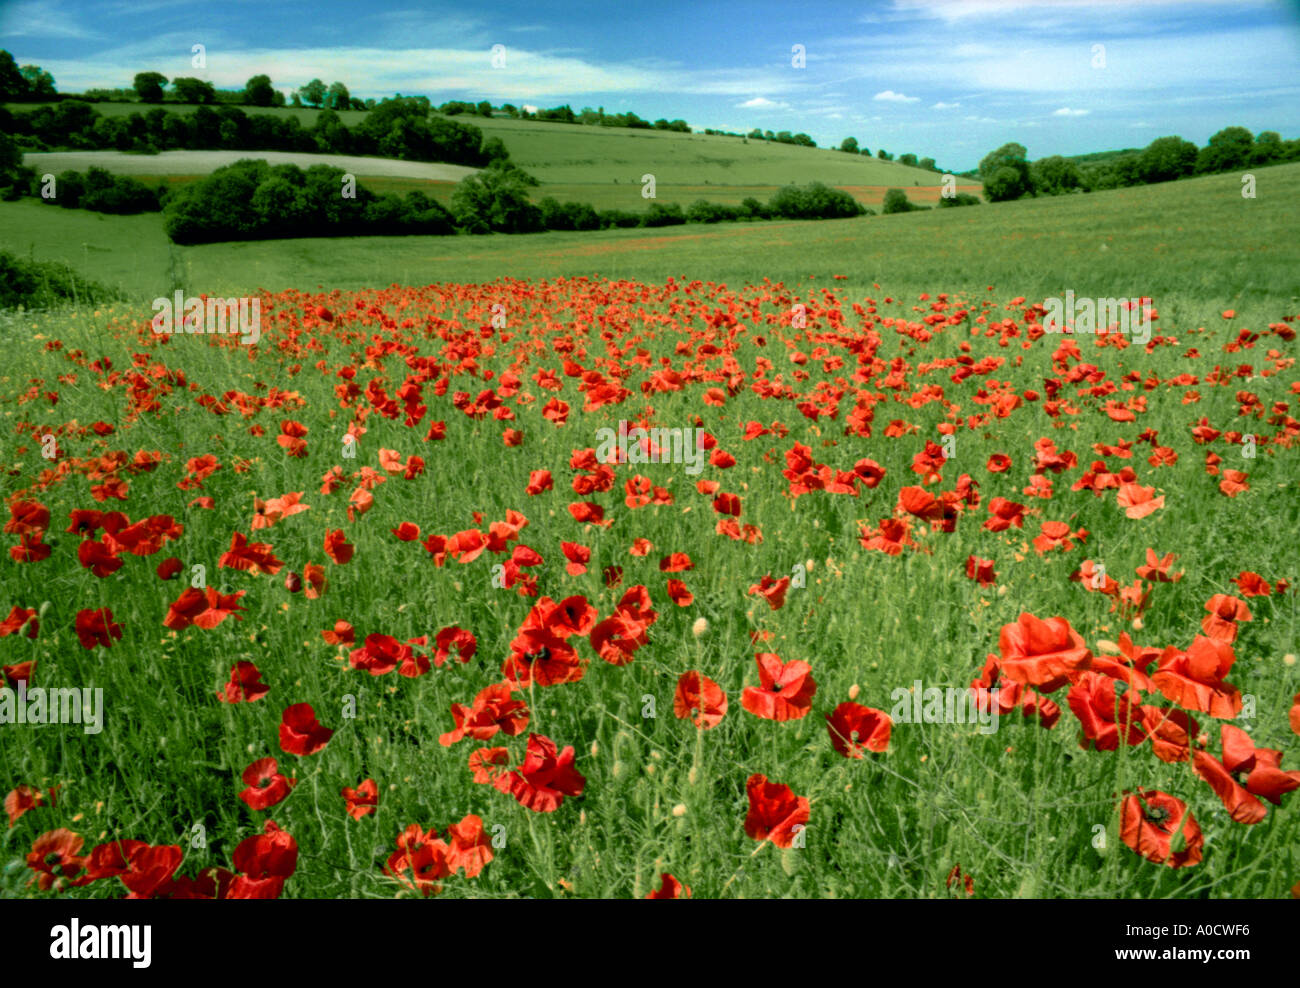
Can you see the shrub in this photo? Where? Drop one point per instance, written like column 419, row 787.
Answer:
column 896, row 201
column 813, row 201
column 34, row 284
column 617, row 218
column 703, row 211
column 663, row 215
column 960, row 199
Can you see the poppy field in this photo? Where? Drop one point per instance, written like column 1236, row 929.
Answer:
column 950, row 605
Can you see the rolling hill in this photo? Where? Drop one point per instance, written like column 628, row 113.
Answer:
column 604, row 165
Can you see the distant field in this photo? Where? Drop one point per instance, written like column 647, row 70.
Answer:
column 203, row 162
column 1196, row 238
column 604, row 165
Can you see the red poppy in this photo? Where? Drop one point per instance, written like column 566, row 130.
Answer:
column 468, row 849
column 1194, row 679
column 1252, row 584
column 251, row 557
column 97, row 628
column 679, row 594
column 669, row 888
column 264, row 861
column 25, row 798
column 1244, row 772
column 266, row 786
column 494, row 710
column 1225, row 612
column 676, row 563
column 361, row 800
column 980, row 570
column 854, row 728
column 338, row 548
column 423, row 857
column 245, row 684
column 890, row 538
column 1042, row 653
column 169, row 568
column 19, row 618
column 55, row 859
column 785, row 692
column 300, row 732
column 577, row 555
column 407, row 531
column 545, row 778
column 453, row 637
column 1104, row 715
column 487, row 765
column 341, row 634
column 1149, row 823
column 774, row 811
column 698, row 694
column 773, row 591
column 98, row 558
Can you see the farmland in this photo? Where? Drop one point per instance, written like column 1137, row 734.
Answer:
column 466, row 464
column 563, row 511
column 602, row 166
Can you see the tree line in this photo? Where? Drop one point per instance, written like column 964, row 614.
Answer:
column 402, row 127
column 1007, row 173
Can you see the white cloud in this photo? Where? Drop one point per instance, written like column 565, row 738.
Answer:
column 1065, row 111
column 889, row 96
column 945, row 106
column 757, row 103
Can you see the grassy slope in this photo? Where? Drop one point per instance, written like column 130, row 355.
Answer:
column 1197, row 238
column 604, row 165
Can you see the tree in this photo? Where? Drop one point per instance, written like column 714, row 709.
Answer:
column 1054, row 176
column 149, row 86
column 495, row 199
column 907, row 159
column 338, row 97
column 295, row 99
column 12, row 84
column 884, row 155
column 849, row 145
column 1228, row 149
column 1167, row 158
column 866, row 152
column 896, row 201
column 1268, row 147
column 191, row 90
column 484, row 108
column 258, row 91
column 313, row 94
column 927, row 164
column 40, row 84
column 1005, row 173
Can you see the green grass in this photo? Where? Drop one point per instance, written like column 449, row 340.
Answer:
column 1017, row 809
column 604, row 165
column 1196, row 240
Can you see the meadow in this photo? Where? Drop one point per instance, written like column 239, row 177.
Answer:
column 564, row 158
column 892, row 433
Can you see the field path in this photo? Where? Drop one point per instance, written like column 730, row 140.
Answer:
column 203, row 162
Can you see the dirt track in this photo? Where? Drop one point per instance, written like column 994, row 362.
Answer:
column 203, row 162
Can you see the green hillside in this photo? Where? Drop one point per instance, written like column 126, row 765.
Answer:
column 604, row 165
column 1197, row 237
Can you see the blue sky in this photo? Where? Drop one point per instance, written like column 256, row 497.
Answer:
column 950, row 79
